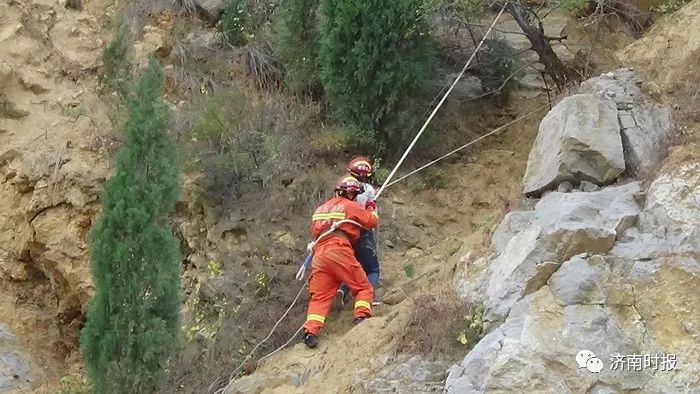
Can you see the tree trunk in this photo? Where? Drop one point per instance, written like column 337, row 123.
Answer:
column 540, row 43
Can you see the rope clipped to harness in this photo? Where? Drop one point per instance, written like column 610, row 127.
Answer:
column 310, row 247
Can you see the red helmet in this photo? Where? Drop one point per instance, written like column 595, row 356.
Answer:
column 360, row 167
column 348, row 184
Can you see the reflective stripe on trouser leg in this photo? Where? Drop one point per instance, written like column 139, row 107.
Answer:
column 354, row 276
column 318, row 318
column 363, row 304
column 322, row 286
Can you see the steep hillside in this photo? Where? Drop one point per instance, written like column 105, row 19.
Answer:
column 58, row 134
column 556, row 312
column 51, row 173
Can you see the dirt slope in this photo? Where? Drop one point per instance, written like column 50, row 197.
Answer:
column 475, row 191
column 51, row 172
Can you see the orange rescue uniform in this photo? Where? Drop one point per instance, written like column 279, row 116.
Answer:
column 334, row 261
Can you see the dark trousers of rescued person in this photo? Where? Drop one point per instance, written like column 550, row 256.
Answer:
column 366, row 253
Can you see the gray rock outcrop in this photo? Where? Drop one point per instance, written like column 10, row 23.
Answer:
column 609, row 129
column 614, row 272
column 579, row 139
column 531, row 245
column 15, row 369
column 210, row 9
column 644, row 125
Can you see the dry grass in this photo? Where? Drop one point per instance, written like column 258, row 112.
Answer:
column 434, row 328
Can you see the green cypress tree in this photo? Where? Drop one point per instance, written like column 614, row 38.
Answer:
column 374, row 58
column 116, row 72
column 297, row 44
column 133, row 321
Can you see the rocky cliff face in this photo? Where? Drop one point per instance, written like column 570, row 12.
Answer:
column 612, row 271
column 52, row 166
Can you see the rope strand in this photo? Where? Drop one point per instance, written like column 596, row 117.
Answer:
column 432, row 115
column 497, row 129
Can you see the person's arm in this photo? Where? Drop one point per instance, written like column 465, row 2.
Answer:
column 368, row 218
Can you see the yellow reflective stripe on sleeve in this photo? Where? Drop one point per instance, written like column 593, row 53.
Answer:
column 328, row 216
column 317, row 318
column 363, row 304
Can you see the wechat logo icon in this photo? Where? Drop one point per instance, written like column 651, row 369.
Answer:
column 586, row 359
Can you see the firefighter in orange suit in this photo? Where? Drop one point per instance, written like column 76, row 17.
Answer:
column 334, row 259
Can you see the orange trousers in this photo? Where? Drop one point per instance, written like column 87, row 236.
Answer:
column 334, row 263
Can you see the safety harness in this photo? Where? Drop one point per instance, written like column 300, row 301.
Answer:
column 310, row 247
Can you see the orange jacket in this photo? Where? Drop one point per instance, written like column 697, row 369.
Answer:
column 339, row 208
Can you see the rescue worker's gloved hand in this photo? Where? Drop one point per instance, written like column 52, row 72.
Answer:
column 362, row 199
column 371, row 205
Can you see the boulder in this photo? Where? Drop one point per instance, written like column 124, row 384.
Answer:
column 534, row 244
column 645, row 137
column 670, row 220
column 595, row 280
column 535, row 348
column 15, row 368
column 579, row 139
column 512, row 224
column 623, row 86
column 211, row 9
column 586, row 186
column 644, row 125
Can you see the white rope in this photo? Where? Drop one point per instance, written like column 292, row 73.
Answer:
column 497, row 129
column 334, row 227
column 245, row 360
column 248, row 357
column 432, row 115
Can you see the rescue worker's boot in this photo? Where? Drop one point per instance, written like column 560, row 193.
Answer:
column 358, row 320
column 310, row 340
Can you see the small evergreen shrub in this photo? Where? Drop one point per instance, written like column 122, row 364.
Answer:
column 116, row 73
column 500, row 69
column 234, row 22
column 374, row 58
column 297, row 44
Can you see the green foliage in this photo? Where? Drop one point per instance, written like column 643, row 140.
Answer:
column 574, row 6
column 75, row 385
column 215, row 268
column 409, row 270
column 501, row 69
column 297, row 44
column 381, row 172
column 115, row 75
column 206, row 315
column 234, row 22
column 374, row 57
column 231, row 143
column 473, row 328
column 262, row 283
column 668, row 6
column 132, row 324
column 462, row 9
